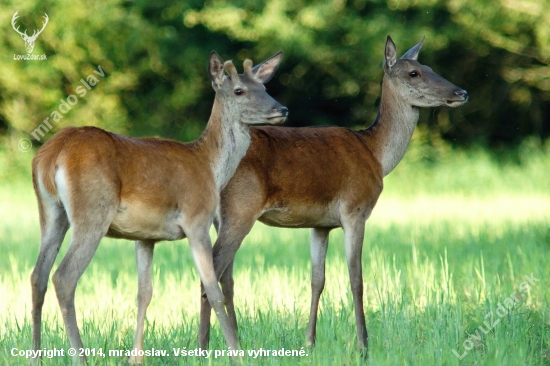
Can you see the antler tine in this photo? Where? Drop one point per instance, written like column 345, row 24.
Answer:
column 43, row 24
column 247, row 64
column 230, row 68
column 13, row 19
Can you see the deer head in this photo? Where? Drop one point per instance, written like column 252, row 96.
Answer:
column 29, row 40
column 243, row 96
column 418, row 84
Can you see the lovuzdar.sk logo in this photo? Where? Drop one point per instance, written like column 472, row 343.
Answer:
column 29, row 40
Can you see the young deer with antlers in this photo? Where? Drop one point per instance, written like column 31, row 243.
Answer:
column 324, row 178
column 147, row 190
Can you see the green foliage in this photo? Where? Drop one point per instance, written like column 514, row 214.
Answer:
column 154, row 56
column 432, row 164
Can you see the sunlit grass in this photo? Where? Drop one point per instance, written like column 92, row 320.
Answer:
column 435, row 265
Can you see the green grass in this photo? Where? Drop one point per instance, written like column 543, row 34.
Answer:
column 447, row 243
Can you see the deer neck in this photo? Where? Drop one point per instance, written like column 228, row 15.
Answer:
column 224, row 142
column 390, row 134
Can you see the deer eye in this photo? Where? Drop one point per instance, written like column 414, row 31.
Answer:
column 414, row 74
column 239, row 91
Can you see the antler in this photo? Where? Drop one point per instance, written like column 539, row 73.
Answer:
column 24, row 34
column 43, row 26
column 13, row 19
column 247, row 64
column 231, row 70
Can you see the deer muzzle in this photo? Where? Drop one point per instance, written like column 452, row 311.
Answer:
column 278, row 115
column 460, row 97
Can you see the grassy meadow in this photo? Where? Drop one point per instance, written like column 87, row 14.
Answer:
column 445, row 257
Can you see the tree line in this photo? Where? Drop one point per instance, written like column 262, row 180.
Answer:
column 154, row 56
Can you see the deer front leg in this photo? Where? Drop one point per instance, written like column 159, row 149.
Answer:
column 318, row 248
column 228, row 285
column 353, row 237
column 144, row 260
column 232, row 230
column 204, row 320
column 201, row 250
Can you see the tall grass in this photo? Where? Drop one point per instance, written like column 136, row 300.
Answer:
column 447, row 243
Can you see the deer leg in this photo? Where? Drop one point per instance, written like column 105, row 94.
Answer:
column 204, row 320
column 201, row 249
column 144, row 260
column 54, row 227
column 232, row 231
column 228, row 285
column 87, row 233
column 318, row 248
column 353, row 237
column 65, row 279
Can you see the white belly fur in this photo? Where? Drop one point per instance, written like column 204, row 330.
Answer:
column 141, row 221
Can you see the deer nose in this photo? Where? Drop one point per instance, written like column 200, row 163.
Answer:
column 461, row 93
column 283, row 111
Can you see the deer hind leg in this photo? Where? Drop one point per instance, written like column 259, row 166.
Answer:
column 318, row 248
column 144, row 260
column 353, row 238
column 84, row 244
column 90, row 218
column 54, row 226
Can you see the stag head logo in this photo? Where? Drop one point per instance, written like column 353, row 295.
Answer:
column 29, row 40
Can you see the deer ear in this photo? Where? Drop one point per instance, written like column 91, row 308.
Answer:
column 412, row 54
column 215, row 69
column 265, row 71
column 390, row 56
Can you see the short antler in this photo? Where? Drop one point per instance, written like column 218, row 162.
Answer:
column 231, row 70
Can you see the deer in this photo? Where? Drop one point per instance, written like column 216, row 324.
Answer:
column 324, row 178
column 29, row 40
column 146, row 190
